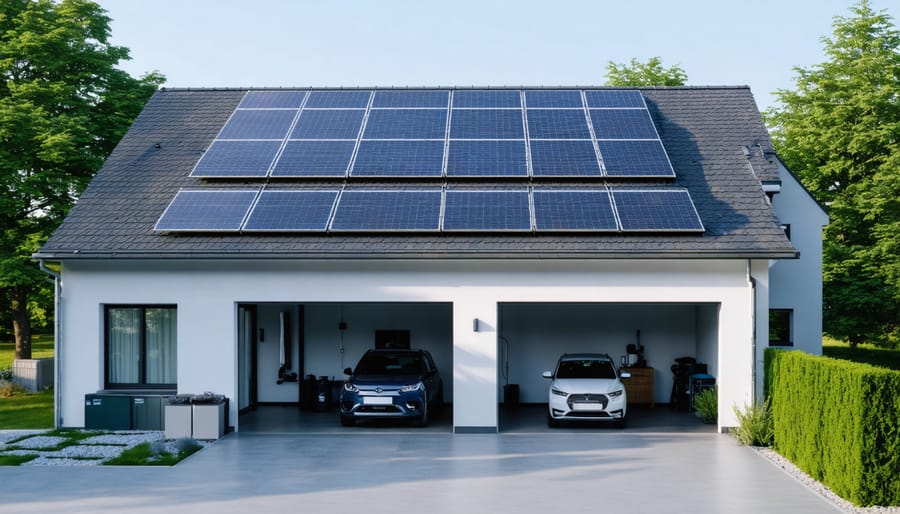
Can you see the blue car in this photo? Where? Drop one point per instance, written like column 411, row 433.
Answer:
column 400, row 384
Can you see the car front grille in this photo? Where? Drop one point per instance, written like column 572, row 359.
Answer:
column 600, row 399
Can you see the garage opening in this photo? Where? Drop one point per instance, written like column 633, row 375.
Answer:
column 642, row 338
column 292, row 357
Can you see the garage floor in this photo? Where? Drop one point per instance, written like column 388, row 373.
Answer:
column 527, row 419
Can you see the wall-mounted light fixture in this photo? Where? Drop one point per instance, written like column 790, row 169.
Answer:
column 475, row 325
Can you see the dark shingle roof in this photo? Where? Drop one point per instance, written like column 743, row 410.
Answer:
column 705, row 130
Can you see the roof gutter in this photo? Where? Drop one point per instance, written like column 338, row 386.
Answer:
column 57, row 342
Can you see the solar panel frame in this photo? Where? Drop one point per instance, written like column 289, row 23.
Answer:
column 483, row 210
column 656, row 210
column 328, row 124
column 399, row 158
column 337, row 99
column 564, row 158
column 218, row 210
column 406, row 124
column 486, row 158
column 387, row 210
column 237, row 159
column 623, row 124
column 314, row 158
column 574, row 210
column 486, row 124
column 291, row 211
column 289, row 99
column 635, row 159
column 258, row 124
column 428, row 98
column 605, row 98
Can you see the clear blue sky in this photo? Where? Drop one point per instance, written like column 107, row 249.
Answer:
column 284, row 43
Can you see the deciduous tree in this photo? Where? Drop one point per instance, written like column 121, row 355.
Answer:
column 650, row 73
column 63, row 106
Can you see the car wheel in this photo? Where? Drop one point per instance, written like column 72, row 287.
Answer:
column 622, row 422
column 439, row 403
column 422, row 421
column 347, row 421
column 551, row 421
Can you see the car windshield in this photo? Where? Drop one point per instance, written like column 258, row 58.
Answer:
column 586, row 368
column 390, row 364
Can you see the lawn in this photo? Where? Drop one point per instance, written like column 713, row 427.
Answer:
column 866, row 353
column 25, row 410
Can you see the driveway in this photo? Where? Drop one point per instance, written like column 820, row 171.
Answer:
column 610, row 471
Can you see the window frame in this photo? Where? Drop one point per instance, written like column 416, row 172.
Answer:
column 142, row 370
column 789, row 341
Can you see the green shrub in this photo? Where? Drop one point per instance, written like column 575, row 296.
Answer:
column 754, row 425
column 707, row 405
column 839, row 422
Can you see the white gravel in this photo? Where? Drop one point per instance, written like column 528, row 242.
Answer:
column 819, row 488
column 91, row 452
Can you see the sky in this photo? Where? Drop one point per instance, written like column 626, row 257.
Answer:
column 350, row 43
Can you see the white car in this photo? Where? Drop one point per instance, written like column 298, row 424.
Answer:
column 586, row 387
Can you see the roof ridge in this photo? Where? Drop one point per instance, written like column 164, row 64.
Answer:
column 470, row 87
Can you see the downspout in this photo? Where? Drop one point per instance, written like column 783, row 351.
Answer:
column 753, row 315
column 57, row 346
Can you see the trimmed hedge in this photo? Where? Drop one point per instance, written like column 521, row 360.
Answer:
column 839, row 422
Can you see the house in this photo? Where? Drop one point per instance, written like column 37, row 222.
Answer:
column 235, row 237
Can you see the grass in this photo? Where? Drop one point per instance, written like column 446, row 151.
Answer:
column 149, row 454
column 865, row 353
column 27, row 410
column 41, row 346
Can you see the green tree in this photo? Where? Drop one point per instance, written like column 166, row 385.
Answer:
column 650, row 73
column 839, row 131
column 63, row 107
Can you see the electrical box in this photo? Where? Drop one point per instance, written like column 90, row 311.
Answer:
column 107, row 412
column 148, row 412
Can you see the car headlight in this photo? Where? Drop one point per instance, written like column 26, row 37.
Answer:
column 616, row 394
column 558, row 392
column 350, row 387
column 412, row 387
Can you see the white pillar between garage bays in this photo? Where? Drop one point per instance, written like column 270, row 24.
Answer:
column 475, row 366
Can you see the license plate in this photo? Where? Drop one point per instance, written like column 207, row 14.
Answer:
column 587, row 406
column 378, row 400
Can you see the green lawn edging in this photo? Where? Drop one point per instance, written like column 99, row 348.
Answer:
column 839, row 422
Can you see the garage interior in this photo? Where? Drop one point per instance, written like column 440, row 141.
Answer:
column 321, row 339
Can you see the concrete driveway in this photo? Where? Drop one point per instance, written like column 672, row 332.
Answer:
column 611, row 471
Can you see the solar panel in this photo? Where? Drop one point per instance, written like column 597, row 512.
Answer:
column 635, row 159
column 338, row 99
column 582, row 210
column 557, row 124
column 614, row 98
column 294, row 211
column 273, row 100
column 564, row 159
column 487, row 159
column 237, row 159
column 264, row 124
column 399, row 159
column 488, row 99
column 314, row 159
column 206, row 211
column 656, row 210
column 487, row 211
column 328, row 124
column 387, row 210
column 623, row 124
column 403, row 98
column 406, row 124
column 553, row 99
column 486, row 124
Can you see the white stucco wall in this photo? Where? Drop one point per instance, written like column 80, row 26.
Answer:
column 207, row 294
column 797, row 284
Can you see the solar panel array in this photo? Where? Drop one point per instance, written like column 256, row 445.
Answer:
column 460, row 160
column 438, row 134
column 432, row 209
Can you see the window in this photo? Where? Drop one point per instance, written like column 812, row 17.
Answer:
column 780, row 324
column 141, row 346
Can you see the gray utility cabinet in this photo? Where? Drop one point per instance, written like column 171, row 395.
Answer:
column 107, row 412
column 148, row 412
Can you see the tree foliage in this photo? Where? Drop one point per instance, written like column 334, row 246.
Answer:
column 839, row 131
column 63, row 107
column 650, row 73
